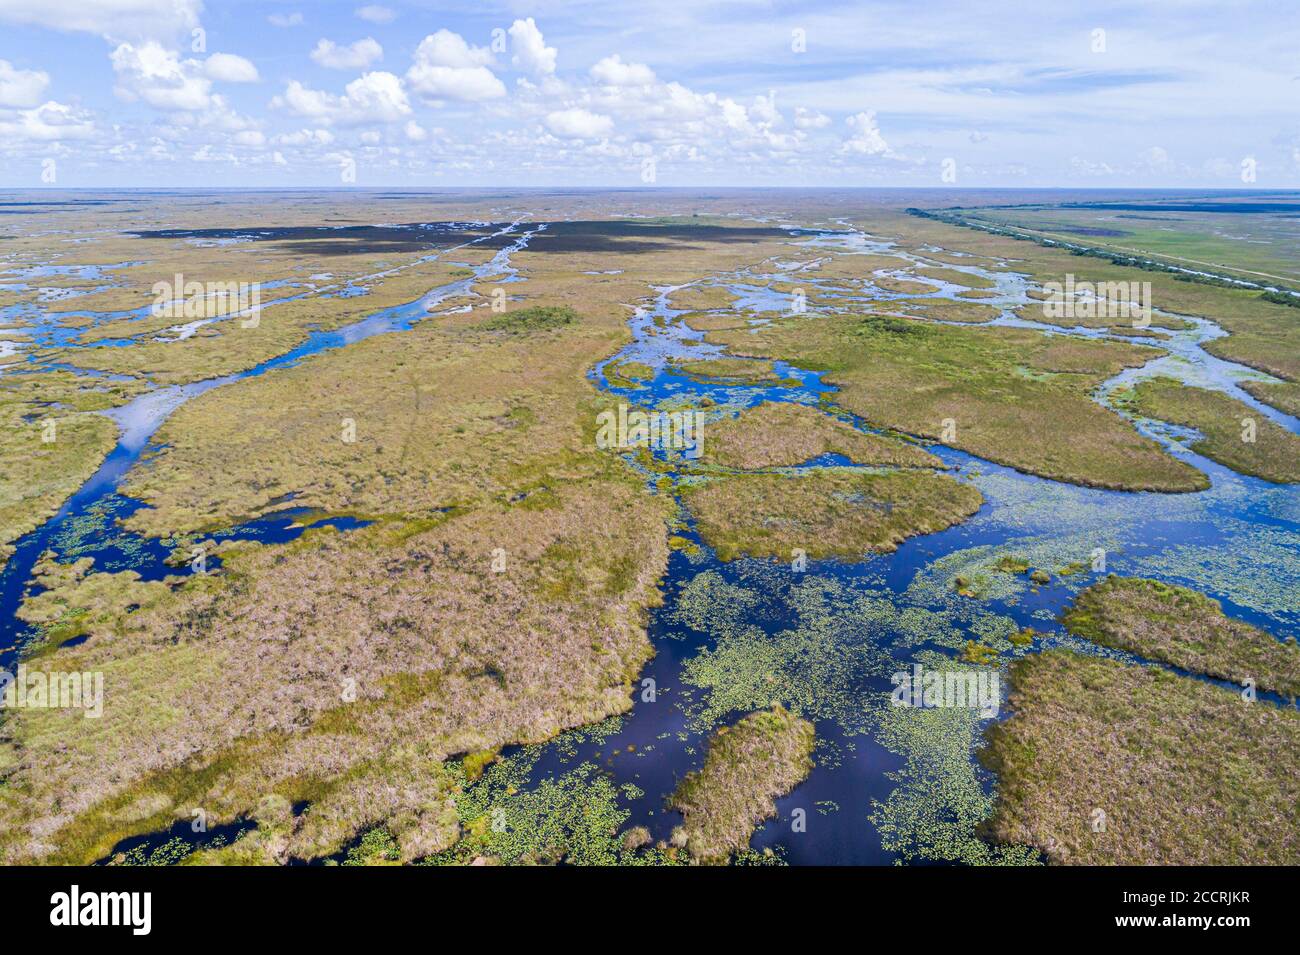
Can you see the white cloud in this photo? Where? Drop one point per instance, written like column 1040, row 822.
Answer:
column 156, row 75
column 305, row 137
column 371, row 98
column 230, row 68
column 810, row 119
column 374, row 13
column 531, row 52
column 445, row 48
column 866, row 139
column 355, row 56
column 118, row 19
column 579, row 124
column 21, row 88
column 1089, row 168
column 448, row 68
column 250, row 137
column 49, row 122
column 1156, row 159
column 415, row 132
column 285, row 19
column 612, row 71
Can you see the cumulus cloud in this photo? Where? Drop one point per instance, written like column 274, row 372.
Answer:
column 374, row 13
column 810, row 119
column 305, row 137
column 415, row 132
column 866, row 139
column 355, row 56
column 578, row 123
column 1156, row 159
column 531, row 53
column 117, row 19
column 49, row 122
column 284, row 20
column 21, row 89
column 1088, row 167
column 448, row 68
column 612, row 71
column 371, row 98
column 152, row 73
column 230, row 68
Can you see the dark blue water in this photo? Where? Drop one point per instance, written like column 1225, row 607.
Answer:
column 659, row 741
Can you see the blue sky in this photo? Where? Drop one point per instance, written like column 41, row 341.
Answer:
column 950, row 92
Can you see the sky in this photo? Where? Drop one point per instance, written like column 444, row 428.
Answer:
column 278, row 93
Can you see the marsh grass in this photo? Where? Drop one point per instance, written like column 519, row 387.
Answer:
column 783, row 434
column 1185, row 773
column 1273, row 453
column 1183, row 628
column 763, row 756
column 1013, row 396
column 826, row 513
column 534, row 318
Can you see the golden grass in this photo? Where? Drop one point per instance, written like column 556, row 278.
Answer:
column 1013, row 396
column 1104, row 763
column 825, row 513
column 1283, row 395
column 744, row 369
column 780, row 434
column 1184, row 628
column 36, row 475
column 1233, row 433
column 764, row 755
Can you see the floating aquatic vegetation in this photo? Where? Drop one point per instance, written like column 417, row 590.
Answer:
column 941, row 800
column 574, row 818
column 1260, row 571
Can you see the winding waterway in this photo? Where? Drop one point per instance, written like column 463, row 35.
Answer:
column 843, row 627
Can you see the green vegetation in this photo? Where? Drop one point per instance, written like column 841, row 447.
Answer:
column 945, row 310
column 534, row 318
column 1263, row 334
column 51, row 441
column 746, row 369
column 1011, row 395
column 825, row 513
column 1183, row 628
column 1283, row 395
column 628, row 374
column 573, row 818
column 702, row 298
column 902, row 286
column 783, row 434
column 1104, row 763
column 748, row 765
column 1234, row 434
column 936, row 811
